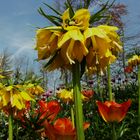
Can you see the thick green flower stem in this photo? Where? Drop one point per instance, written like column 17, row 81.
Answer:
column 78, row 101
column 114, row 136
column 139, row 94
column 109, row 83
column 10, row 127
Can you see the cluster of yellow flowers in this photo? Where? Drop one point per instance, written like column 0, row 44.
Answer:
column 134, row 61
column 16, row 96
column 75, row 39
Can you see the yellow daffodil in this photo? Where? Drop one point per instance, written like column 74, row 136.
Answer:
column 47, row 39
column 72, row 46
column 80, row 19
column 13, row 96
column 134, row 61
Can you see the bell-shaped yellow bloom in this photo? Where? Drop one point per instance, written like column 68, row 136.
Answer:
column 80, row 19
column 96, row 64
column 13, row 96
column 72, row 46
column 134, row 61
column 114, row 37
column 100, row 42
column 47, row 39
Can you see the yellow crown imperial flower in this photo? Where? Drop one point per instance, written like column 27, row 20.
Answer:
column 14, row 96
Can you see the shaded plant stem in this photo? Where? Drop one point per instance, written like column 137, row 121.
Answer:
column 114, row 136
column 10, row 129
column 72, row 116
column 139, row 94
column 109, row 83
column 17, row 131
column 78, row 101
column 98, row 87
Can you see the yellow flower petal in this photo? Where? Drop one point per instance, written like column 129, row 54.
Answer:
column 26, row 96
column 72, row 45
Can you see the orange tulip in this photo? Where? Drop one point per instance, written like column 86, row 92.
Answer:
column 112, row 111
column 62, row 129
column 49, row 110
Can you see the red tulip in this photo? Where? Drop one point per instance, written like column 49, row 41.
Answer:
column 62, row 129
column 112, row 111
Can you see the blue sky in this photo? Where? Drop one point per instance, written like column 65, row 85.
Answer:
column 19, row 19
column 18, row 22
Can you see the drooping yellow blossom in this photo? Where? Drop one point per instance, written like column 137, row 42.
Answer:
column 103, row 39
column 76, row 40
column 134, row 61
column 14, row 96
column 67, row 95
column 114, row 37
column 47, row 39
column 80, row 19
column 72, row 46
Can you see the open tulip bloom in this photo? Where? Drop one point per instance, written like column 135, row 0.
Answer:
column 62, row 129
column 112, row 111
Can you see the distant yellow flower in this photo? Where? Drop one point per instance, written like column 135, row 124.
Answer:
column 34, row 89
column 72, row 46
column 47, row 39
column 67, row 95
column 80, row 19
column 13, row 96
column 134, row 61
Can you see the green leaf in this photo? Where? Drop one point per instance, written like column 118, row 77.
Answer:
column 53, row 9
column 98, row 15
column 49, row 17
column 71, row 11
